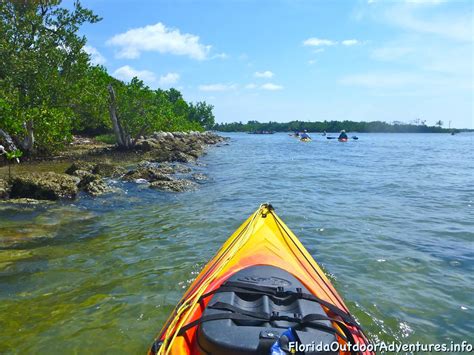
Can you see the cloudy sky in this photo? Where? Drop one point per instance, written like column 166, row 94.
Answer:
column 284, row 60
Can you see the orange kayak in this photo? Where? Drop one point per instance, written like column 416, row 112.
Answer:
column 262, row 293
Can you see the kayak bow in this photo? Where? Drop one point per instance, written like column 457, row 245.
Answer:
column 260, row 284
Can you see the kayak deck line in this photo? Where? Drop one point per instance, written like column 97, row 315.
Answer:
column 262, row 240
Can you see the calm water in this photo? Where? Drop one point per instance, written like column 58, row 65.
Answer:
column 390, row 218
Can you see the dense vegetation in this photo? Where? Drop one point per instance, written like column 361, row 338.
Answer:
column 331, row 126
column 49, row 89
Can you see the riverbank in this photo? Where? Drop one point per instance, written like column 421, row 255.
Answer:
column 160, row 160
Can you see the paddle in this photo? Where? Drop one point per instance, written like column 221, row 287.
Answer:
column 353, row 137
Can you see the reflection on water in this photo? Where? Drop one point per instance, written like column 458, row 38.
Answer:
column 389, row 217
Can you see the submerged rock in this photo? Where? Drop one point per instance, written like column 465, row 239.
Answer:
column 177, row 146
column 147, row 144
column 176, row 168
column 182, row 157
column 108, row 170
column 79, row 166
column 27, row 201
column 148, row 173
column 199, row 177
column 167, row 149
column 94, row 185
column 4, row 189
column 44, row 186
column 174, row 185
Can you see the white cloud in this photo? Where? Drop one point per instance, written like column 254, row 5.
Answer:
column 314, row 42
column 311, row 61
column 271, row 87
column 380, row 80
column 264, row 74
column 410, row 83
column 161, row 39
column 414, row 18
column 217, row 87
column 169, row 79
column 96, row 57
column 220, row 56
column 266, row 86
column 350, row 42
column 453, row 27
column 126, row 73
column 436, row 56
column 425, row 2
column 318, row 42
column 413, row 2
column 392, row 52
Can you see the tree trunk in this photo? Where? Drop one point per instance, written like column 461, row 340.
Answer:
column 29, row 140
column 7, row 139
column 123, row 139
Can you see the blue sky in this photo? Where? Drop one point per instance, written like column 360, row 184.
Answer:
column 293, row 59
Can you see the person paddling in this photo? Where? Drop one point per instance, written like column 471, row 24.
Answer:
column 305, row 135
column 343, row 135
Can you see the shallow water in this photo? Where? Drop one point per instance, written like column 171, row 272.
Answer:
column 390, row 218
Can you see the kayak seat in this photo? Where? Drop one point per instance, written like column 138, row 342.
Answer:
column 256, row 319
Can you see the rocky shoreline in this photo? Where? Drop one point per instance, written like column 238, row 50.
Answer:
column 162, row 158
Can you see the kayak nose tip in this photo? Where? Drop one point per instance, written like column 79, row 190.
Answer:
column 265, row 208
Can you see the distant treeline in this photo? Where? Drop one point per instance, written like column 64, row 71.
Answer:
column 332, row 126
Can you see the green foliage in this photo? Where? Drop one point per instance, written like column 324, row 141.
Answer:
column 173, row 95
column 49, row 89
column 14, row 155
column 90, row 100
column 328, row 126
column 42, row 56
column 106, row 138
column 142, row 110
column 201, row 113
column 136, row 108
column 52, row 127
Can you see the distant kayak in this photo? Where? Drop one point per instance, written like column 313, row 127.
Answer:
column 343, row 139
column 260, row 289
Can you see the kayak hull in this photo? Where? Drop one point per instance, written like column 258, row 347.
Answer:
column 263, row 240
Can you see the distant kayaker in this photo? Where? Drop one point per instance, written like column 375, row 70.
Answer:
column 304, row 135
column 324, row 133
column 342, row 135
